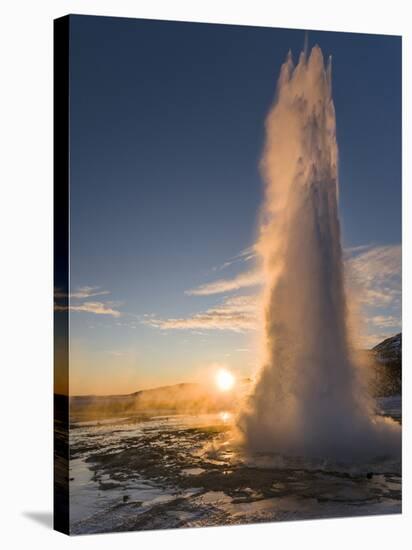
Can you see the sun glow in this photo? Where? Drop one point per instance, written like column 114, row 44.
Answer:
column 225, row 380
column 225, row 417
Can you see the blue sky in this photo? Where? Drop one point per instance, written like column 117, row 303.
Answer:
column 166, row 132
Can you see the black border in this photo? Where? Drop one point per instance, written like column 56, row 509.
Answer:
column 61, row 273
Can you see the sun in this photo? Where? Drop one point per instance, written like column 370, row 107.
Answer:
column 224, row 380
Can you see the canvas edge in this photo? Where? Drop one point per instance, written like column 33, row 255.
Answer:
column 61, row 506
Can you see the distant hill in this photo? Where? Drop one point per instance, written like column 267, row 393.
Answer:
column 384, row 364
column 179, row 398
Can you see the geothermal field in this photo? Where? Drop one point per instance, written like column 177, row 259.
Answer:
column 148, row 471
column 307, row 437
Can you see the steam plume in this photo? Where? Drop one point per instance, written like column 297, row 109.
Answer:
column 308, row 399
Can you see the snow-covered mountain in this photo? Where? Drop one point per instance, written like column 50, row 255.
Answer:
column 386, row 360
column 390, row 350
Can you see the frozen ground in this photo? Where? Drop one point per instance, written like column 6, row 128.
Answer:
column 157, row 472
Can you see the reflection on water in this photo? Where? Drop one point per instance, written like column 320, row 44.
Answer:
column 225, row 417
column 182, row 471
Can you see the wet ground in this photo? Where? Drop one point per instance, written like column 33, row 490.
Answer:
column 157, row 472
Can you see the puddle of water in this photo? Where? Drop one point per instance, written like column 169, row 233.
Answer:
column 193, row 471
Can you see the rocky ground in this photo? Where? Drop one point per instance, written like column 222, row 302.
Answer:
column 184, row 471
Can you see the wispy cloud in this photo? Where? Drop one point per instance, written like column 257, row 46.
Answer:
column 220, row 286
column 237, row 313
column 374, row 270
column 78, row 301
column 377, row 272
column 82, row 292
column 385, row 321
column 245, row 255
column 97, row 308
column 352, row 250
column 368, row 341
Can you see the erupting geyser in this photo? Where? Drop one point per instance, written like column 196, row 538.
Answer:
column 308, row 400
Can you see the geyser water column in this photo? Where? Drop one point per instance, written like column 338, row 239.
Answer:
column 308, row 399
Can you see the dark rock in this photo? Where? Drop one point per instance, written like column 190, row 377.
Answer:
column 385, row 367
